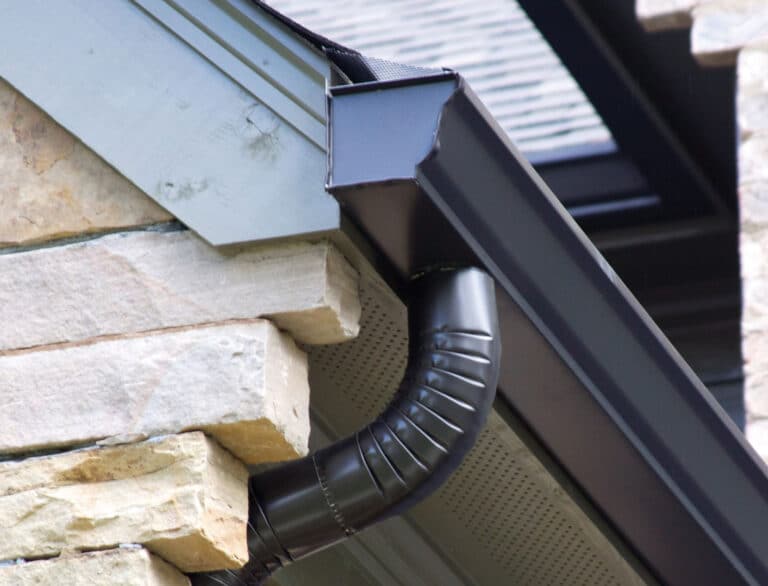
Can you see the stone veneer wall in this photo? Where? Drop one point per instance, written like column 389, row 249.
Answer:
column 140, row 369
column 724, row 33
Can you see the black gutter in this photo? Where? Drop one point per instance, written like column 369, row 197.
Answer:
column 429, row 176
column 622, row 198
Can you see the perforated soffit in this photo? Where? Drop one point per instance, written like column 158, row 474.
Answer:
column 502, row 518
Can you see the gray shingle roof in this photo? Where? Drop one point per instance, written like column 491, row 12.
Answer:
column 491, row 42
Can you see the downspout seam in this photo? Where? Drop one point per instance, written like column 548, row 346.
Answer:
column 329, row 498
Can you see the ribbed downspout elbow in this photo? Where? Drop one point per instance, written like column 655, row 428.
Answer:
column 405, row 454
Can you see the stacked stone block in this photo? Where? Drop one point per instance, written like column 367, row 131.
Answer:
column 753, row 201
column 664, row 14
column 126, row 566
column 719, row 28
column 728, row 32
column 140, row 369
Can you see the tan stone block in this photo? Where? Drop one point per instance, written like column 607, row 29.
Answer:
column 756, row 393
column 139, row 281
column 54, row 186
column 757, row 436
column 752, row 67
column 752, row 91
column 656, row 15
column 753, row 248
column 753, row 196
column 753, row 113
column 755, row 355
column 244, row 383
column 753, row 159
column 753, row 212
column 183, row 497
column 722, row 27
column 755, row 304
column 123, row 567
column 754, row 344
column 750, row 252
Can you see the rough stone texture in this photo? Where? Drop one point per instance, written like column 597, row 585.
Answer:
column 138, row 281
column 54, row 186
column 722, row 27
column 123, row 567
column 752, row 103
column 753, row 112
column 753, row 155
column 183, row 497
column 657, row 15
column 244, row 383
column 757, row 435
column 753, row 64
column 753, row 206
column 752, row 98
column 754, row 275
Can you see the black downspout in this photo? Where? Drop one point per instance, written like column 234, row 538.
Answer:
column 300, row 507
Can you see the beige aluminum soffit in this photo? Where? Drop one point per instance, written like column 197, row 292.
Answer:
column 502, row 518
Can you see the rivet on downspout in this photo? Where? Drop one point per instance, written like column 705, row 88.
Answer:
column 433, row 420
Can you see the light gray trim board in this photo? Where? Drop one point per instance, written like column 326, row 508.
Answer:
column 211, row 138
column 257, row 53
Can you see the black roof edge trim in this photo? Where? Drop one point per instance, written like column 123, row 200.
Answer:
column 367, row 86
column 624, row 106
column 318, row 41
column 473, row 198
column 350, row 62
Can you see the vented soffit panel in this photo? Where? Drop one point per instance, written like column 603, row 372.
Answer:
column 506, row 516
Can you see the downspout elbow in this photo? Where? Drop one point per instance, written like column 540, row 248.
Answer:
column 405, row 454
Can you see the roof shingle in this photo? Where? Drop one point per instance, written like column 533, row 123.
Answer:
column 492, row 43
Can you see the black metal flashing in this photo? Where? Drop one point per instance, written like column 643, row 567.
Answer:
column 356, row 67
column 348, row 60
column 585, row 368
